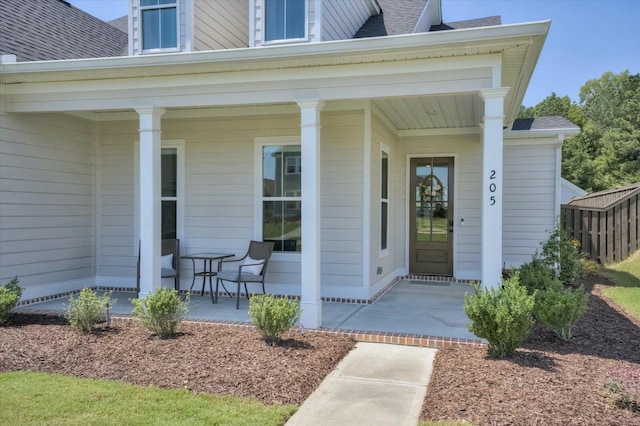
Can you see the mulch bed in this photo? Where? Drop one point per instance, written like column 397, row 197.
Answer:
column 202, row 358
column 548, row 381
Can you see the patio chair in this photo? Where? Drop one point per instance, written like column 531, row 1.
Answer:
column 252, row 268
column 170, row 262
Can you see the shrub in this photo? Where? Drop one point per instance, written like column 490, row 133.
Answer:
column 623, row 390
column 561, row 252
column 161, row 311
column 503, row 316
column 588, row 267
column 536, row 275
column 10, row 294
column 88, row 309
column 559, row 308
column 273, row 316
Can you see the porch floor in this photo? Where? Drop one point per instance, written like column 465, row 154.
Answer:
column 410, row 307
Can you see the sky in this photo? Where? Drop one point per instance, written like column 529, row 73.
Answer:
column 587, row 37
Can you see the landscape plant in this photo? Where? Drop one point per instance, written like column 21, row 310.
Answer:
column 503, row 315
column 560, row 308
column 10, row 294
column 161, row 311
column 536, row 275
column 561, row 253
column 273, row 316
column 623, row 389
column 88, row 309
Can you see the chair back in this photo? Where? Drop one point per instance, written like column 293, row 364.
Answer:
column 261, row 250
column 171, row 247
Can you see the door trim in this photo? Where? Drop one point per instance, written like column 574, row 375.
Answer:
column 407, row 213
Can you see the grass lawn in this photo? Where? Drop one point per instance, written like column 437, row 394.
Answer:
column 626, row 275
column 37, row 398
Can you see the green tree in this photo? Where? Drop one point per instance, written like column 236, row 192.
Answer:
column 606, row 154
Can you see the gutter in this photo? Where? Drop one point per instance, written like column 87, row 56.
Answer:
column 409, row 45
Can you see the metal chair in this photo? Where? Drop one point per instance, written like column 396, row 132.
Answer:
column 168, row 247
column 252, row 268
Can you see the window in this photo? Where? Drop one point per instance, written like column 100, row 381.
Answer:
column 384, row 200
column 285, row 19
column 294, row 165
column 169, row 192
column 172, row 189
column 281, row 196
column 159, row 24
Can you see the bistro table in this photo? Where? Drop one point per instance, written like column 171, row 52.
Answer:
column 207, row 267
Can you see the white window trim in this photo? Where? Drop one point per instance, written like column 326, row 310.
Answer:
column 384, row 149
column 297, row 165
column 263, row 31
column 141, row 8
column 178, row 144
column 259, row 143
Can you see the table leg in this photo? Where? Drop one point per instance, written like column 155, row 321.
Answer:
column 193, row 280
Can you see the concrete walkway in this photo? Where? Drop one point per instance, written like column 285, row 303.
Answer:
column 375, row 384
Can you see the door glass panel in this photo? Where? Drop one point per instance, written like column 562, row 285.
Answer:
column 432, row 201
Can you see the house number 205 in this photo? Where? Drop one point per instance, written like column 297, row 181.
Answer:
column 492, row 187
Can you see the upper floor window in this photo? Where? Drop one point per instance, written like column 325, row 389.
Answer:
column 285, row 19
column 159, row 24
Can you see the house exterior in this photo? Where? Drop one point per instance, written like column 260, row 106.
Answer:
column 368, row 138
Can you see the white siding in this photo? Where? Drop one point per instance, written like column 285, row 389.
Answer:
column 393, row 257
column 219, row 210
column 46, row 199
column 342, row 19
column 221, row 24
column 529, row 199
column 467, row 152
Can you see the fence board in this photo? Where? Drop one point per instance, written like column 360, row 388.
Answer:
column 608, row 234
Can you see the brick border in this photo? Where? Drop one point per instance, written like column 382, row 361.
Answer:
column 403, row 339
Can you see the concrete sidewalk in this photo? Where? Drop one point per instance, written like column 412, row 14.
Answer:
column 375, row 384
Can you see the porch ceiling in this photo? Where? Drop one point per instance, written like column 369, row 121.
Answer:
column 433, row 112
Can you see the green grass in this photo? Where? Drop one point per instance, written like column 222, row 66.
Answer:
column 626, row 275
column 38, row 398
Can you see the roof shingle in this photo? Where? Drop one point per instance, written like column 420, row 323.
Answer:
column 40, row 30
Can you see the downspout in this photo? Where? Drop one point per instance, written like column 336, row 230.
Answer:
column 558, row 177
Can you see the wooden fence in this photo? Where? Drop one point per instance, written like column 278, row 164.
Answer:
column 607, row 233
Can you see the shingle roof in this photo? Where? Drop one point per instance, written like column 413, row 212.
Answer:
column 543, row 123
column 401, row 17
column 121, row 23
column 36, row 30
column 489, row 21
column 397, row 17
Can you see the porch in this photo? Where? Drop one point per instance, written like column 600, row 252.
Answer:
column 410, row 308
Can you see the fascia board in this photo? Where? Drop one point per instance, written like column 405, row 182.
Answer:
column 342, row 51
column 567, row 132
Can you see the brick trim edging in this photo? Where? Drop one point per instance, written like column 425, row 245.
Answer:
column 403, row 339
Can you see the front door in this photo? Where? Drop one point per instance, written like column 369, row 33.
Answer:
column 431, row 216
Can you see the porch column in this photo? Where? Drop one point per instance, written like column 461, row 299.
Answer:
column 150, row 207
column 492, row 167
column 310, row 301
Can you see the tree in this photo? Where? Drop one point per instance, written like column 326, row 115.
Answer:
column 607, row 151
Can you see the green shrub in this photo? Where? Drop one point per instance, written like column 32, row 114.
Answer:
column 88, row 309
column 588, row 267
column 161, row 311
column 503, row 316
column 559, row 308
column 561, row 253
column 273, row 316
column 10, row 294
column 536, row 275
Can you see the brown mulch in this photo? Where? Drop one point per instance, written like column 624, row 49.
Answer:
column 548, row 382
column 202, row 358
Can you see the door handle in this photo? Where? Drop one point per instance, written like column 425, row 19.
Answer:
column 451, row 226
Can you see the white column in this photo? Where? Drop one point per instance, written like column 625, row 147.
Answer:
column 310, row 301
column 492, row 173
column 150, row 207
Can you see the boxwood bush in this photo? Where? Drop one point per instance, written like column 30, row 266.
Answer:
column 273, row 316
column 88, row 309
column 161, row 311
column 10, row 294
column 559, row 308
column 503, row 316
